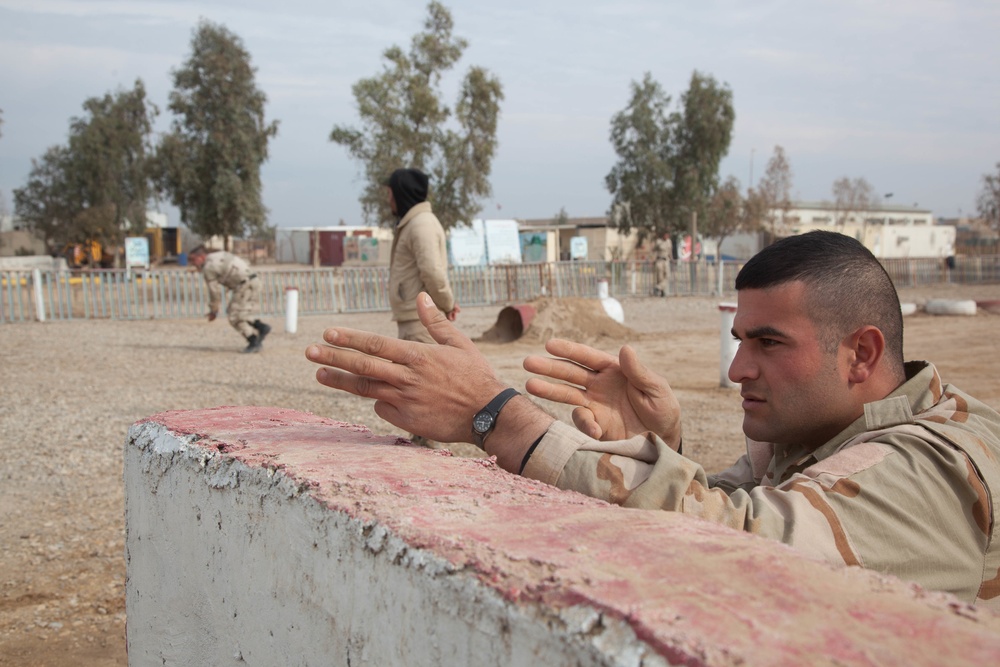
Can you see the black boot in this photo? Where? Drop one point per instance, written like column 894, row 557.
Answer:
column 262, row 330
column 254, row 344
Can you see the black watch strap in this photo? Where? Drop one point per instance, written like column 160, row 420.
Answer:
column 486, row 419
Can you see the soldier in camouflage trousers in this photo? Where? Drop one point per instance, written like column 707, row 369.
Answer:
column 852, row 455
column 225, row 270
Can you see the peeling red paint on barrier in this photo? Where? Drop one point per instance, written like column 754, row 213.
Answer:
column 695, row 592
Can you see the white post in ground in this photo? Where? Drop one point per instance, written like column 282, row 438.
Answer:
column 728, row 343
column 291, row 309
column 36, row 279
column 611, row 305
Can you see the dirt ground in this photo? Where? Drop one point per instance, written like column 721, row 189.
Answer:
column 70, row 390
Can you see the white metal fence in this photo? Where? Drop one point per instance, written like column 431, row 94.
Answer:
column 38, row 295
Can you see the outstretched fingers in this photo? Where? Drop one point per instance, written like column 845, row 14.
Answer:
column 578, row 353
column 372, row 346
column 356, row 384
column 558, row 369
column 574, row 364
column 556, row 391
column 361, row 363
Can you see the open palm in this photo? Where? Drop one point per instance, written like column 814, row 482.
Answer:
column 615, row 397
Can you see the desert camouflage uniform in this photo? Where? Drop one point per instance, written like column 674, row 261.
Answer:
column 661, row 267
column 911, row 488
column 223, row 269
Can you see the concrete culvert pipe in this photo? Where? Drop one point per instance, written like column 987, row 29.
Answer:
column 512, row 322
column 950, row 307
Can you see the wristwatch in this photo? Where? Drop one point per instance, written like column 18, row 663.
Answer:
column 486, row 419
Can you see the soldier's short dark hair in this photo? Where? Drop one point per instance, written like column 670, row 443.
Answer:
column 199, row 250
column 848, row 286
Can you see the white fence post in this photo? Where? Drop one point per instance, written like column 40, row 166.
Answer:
column 291, row 309
column 36, row 279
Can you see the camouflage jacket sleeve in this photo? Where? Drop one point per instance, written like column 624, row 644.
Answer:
column 211, row 275
column 895, row 500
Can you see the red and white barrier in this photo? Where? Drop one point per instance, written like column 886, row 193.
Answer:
column 271, row 537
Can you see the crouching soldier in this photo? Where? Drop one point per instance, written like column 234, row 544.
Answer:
column 223, row 269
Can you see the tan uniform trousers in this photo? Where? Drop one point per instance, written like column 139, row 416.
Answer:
column 243, row 305
column 415, row 331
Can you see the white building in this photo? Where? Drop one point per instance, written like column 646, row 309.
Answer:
column 546, row 241
column 888, row 231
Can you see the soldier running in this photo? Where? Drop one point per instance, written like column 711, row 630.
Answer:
column 224, row 269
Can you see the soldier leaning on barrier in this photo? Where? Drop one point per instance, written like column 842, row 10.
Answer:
column 853, row 456
column 224, row 269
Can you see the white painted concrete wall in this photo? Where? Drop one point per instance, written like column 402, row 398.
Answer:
column 259, row 536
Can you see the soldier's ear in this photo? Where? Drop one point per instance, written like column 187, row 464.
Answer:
column 866, row 348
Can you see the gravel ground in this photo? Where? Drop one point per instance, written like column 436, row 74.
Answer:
column 70, row 390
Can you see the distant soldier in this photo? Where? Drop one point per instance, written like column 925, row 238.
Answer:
column 661, row 266
column 223, row 269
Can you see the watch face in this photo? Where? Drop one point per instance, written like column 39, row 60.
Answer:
column 482, row 422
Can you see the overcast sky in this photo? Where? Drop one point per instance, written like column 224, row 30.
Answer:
column 903, row 93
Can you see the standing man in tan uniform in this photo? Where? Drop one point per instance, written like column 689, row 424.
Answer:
column 225, row 270
column 852, row 454
column 661, row 265
column 419, row 259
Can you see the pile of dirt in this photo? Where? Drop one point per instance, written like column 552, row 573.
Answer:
column 575, row 318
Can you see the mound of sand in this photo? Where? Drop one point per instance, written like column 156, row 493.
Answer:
column 575, row 318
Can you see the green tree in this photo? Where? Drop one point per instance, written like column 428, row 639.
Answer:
column 111, row 153
column 729, row 212
column 98, row 186
column 704, row 129
column 46, row 203
column 405, row 123
column 775, row 189
column 209, row 164
column 723, row 215
column 668, row 164
column 640, row 182
column 988, row 200
column 561, row 218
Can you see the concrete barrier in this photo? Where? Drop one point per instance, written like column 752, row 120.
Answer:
column 263, row 536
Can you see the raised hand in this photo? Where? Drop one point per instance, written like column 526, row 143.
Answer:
column 433, row 390
column 615, row 397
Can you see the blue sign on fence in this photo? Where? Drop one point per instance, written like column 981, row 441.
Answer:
column 137, row 251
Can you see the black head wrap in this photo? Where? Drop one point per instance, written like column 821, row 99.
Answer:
column 409, row 188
